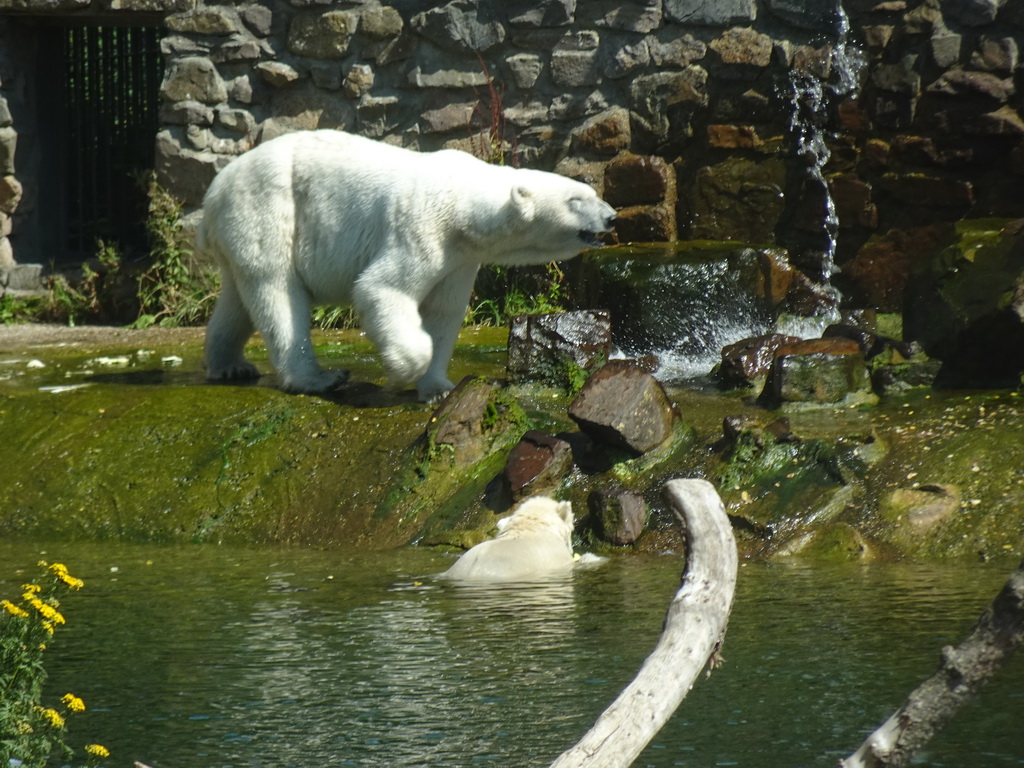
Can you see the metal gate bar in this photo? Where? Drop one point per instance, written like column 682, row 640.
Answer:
column 112, row 83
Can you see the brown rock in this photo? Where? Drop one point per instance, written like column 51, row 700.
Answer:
column 457, row 424
column 637, row 180
column 536, row 465
column 604, row 134
column 624, row 406
column 742, row 45
column 852, row 198
column 733, row 137
column 819, row 371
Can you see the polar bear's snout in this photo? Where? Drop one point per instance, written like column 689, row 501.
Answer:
column 603, row 225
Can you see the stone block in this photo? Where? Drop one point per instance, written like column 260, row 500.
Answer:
column 945, row 49
column 540, row 13
column 193, row 78
column 324, row 36
column 606, row 134
column 11, row 193
column 25, row 278
column 575, row 69
column 628, row 59
column 624, row 406
column 743, row 46
column 822, row 16
column 448, row 118
column 669, row 49
column 525, row 68
column 637, row 180
column 647, row 224
column 205, row 21
column 642, row 16
column 716, row 14
column 257, row 18
column 8, row 147
column 461, row 25
column 277, row 73
column 358, row 80
column 380, row 22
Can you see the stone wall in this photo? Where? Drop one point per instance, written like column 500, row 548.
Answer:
column 678, row 111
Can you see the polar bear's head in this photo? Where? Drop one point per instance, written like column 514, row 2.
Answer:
column 553, row 217
column 539, row 514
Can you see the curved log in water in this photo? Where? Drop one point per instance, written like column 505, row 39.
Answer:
column 694, row 630
column 962, row 672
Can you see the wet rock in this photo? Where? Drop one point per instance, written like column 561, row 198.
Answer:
column 624, row 406
column 823, row 371
column 748, row 361
column 852, row 198
column 966, row 306
column 545, row 347
column 809, row 298
column 619, row 515
column 535, row 465
column 878, row 274
column 541, row 13
column 835, row 542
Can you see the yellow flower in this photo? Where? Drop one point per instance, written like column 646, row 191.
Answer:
column 70, row 580
column 14, row 610
column 48, row 626
column 48, row 611
column 58, row 568
column 52, row 716
column 73, row 703
column 97, row 750
column 22, row 728
column 31, row 588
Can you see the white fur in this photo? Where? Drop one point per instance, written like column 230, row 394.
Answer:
column 534, row 542
column 326, row 217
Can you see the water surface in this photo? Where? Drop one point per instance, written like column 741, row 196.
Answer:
column 208, row 657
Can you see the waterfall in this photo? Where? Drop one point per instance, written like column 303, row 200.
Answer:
column 809, row 95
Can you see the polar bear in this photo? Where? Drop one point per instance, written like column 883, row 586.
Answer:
column 534, row 542
column 327, row 217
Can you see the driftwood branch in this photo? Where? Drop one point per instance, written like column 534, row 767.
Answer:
column 962, row 672
column 694, row 630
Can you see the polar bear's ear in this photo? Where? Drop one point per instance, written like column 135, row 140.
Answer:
column 565, row 512
column 523, row 200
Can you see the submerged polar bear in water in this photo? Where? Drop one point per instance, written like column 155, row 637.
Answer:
column 326, row 217
column 534, row 542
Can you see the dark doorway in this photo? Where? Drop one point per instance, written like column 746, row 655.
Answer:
column 97, row 130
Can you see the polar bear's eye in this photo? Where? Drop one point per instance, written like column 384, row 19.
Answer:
column 575, row 203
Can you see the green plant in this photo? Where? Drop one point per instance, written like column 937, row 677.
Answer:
column 502, row 293
column 173, row 291
column 31, row 733
column 344, row 317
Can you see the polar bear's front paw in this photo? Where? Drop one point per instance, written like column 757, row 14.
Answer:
column 434, row 391
column 316, row 384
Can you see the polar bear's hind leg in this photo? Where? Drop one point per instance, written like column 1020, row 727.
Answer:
column 282, row 313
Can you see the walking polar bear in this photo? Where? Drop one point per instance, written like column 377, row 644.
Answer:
column 326, row 217
column 534, row 542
